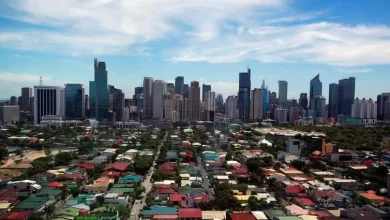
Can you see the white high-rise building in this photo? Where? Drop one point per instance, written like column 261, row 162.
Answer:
column 256, row 112
column 168, row 106
column 158, row 92
column 48, row 100
column 210, row 105
column 364, row 109
column 231, row 107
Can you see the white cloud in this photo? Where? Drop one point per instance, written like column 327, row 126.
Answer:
column 364, row 70
column 97, row 27
column 326, row 43
column 23, row 77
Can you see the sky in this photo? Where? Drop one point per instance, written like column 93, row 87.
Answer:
column 203, row 40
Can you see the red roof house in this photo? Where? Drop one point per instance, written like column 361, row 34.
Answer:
column 304, row 202
column 16, row 216
column 164, row 191
column 55, row 184
column 190, row 214
column 240, row 216
column 178, row 199
column 117, row 166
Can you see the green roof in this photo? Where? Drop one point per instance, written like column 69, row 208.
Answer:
column 31, row 202
column 123, row 185
column 274, row 213
column 49, row 191
column 70, row 211
column 121, row 190
column 159, row 210
column 82, row 198
column 88, row 217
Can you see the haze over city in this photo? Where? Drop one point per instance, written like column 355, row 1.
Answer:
column 207, row 41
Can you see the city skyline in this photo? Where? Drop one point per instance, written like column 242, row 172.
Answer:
column 326, row 39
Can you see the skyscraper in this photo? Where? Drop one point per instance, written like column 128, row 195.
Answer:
column 282, row 92
column 48, row 100
column 14, row 100
column 137, row 90
column 210, row 105
column 99, row 91
column 86, row 105
column 273, row 98
column 158, row 92
column 333, row 100
column 346, row 95
column 219, row 102
column 74, row 101
column 186, row 91
column 147, row 97
column 320, row 108
column 205, row 89
column 231, row 107
column 118, row 104
column 25, row 102
column 244, row 95
column 194, row 105
column 315, row 90
column 256, row 112
column 303, row 101
column 171, row 88
column 169, row 106
column 381, row 101
column 179, row 85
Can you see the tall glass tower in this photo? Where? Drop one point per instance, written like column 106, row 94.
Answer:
column 101, row 90
column 244, row 95
column 346, row 95
column 265, row 99
column 315, row 90
column 179, row 85
column 333, row 100
column 74, row 101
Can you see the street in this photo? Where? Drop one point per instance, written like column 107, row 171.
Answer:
column 206, row 181
column 139, row 206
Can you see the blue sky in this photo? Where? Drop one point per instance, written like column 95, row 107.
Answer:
column 208, row 41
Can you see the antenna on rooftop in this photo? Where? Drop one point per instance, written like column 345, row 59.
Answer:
column 40, row 81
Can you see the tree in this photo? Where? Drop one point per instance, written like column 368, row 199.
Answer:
column 74, row 191
column 36, row 216
column 110, row 185
column 253, row 203
column 48, row 153
column 49, row 210
column 124, row 212
column 63, row 158
column 3, row 153
column 242, row 188
column 100, row 200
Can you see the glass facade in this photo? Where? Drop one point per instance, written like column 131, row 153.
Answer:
column 74, row 101
column 244, row 96
column 205, row 89
column 333, row 100
column 101, row 90
column 179, row 85
column 282, row 92
column 346, row 95
column 315, row 90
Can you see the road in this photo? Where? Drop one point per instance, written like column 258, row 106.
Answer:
column 206, row 181
column 137, row 208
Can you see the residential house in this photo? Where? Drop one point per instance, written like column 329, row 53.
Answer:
column 81, row 199
column 190, row 214
column 168, row 168
column 240, row 215
column 32, row 204
column 295, row 210
column 16, row 216
column 116, row 198
column 329, row 199
column 158, row 210
column 117, row 166
column 179, row 200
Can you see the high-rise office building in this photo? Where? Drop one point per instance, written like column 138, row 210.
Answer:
column 381, row 101
column 210, row 105
column 171, row 88
column 48, row 100
column 74, row 101
column 186, row 91
column 346, row 95
column 320, row 108
column 186, row 109
column 273, row 99
column 244, row 96
column 137, row 90
column 219, row 102
column 256, row 112
column 283, row 92
column 315, row 90
column 98, row 92
column 169, row 106
column 179, row 85
column 265, row 100
column 158, row 92
column 14, row 100
column 303, row 101
column 364, row 109
column 25, row 102
column 147, row 97
column 118, row 105
column 9, row 113
column 194, row 111
column 293, row 114
column 231, row 107
column 205, row 89
column 86, row 105
column 333, row 105
column 178, row 104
